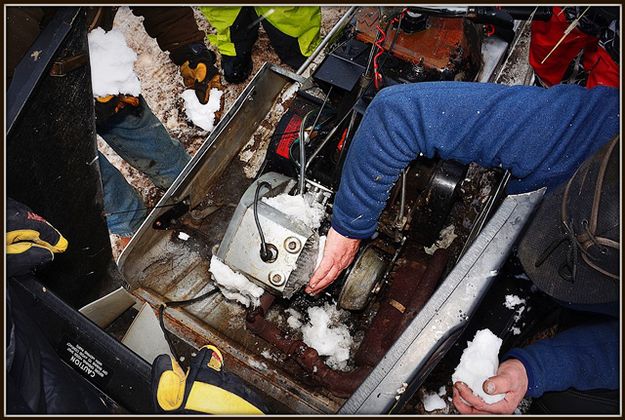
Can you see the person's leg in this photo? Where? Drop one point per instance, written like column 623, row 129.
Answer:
column 285, row 46
column 124, row 208
column 294, row 32
column 237, row 31
column 142, row 141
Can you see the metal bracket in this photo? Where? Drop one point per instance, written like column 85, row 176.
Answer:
column 65, row 65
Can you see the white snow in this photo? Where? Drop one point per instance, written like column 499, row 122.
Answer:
column 112, row 62
column 445, row 238
column 322, row 246
column 478, row 362
column 325, row 334
column 295, row 319
column 290, row 92
column 432, row 401
column 512, row 301
column 302, row 208
column 235, row 286
column 516, row 331
column 202, row 115
column 183, row 236
column 442, row 391
column 267, row 355
column 256, row 364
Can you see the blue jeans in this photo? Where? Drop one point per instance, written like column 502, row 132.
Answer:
column 141, row 140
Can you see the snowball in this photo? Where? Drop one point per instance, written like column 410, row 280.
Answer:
column 478, row 362
column 112, row 63
column 302, row 208
column 235, row 286
column 327, row 336
column 512, row 301
column 202, row 115
column 431, row 401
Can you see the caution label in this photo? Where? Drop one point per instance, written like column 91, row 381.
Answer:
column 85, row 362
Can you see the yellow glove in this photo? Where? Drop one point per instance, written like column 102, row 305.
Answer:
column 30, row 240
column 204, row 388
column 197, row 66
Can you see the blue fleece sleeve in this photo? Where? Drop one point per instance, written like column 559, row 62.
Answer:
column 540, row 135
column 584, row 357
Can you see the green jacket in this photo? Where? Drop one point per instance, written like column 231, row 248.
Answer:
column 303, row 23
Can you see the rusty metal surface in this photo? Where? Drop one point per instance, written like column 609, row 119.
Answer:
column 341, row 384
column 434, row 44
column 242, row 359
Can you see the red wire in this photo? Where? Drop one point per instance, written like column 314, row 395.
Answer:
column 377, row 77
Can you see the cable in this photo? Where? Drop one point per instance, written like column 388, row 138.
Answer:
column 265, row 254
column 174, row 304
column 302, row 154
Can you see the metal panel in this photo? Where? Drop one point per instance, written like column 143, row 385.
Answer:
column 432, row 332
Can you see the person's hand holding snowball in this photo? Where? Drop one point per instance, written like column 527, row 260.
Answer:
column 511, row 380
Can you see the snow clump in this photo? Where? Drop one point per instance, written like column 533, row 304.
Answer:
column 112, row 62
column 235, row 286
column 432, row 401
column 512, row 301
column 322, row 246
column 478, row 362
column 326, row 335
column 202, row 115
column 298, row 207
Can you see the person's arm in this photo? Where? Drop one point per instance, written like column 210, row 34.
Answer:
column 584, row 357
column 176, row 31
column 540, row 135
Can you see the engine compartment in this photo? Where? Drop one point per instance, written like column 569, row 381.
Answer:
column 216, row 206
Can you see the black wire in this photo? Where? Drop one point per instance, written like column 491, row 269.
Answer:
column 264, row 253
column 175, row 304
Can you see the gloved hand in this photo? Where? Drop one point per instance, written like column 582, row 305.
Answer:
column 30, row 240
column 197, row 66
column 107, row 106
column 205, row 388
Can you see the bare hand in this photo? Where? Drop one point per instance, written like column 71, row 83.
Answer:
column 511, row 379
column 338, row 254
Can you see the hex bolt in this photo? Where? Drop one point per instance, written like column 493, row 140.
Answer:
column 292, row 244
column 276, row 279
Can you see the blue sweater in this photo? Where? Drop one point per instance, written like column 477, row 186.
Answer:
column 540, row 135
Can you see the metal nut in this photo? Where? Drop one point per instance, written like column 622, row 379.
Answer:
column 276, row 279
column 292, row 244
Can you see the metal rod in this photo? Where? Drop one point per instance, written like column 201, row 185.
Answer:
column 339, row 25
column 402, row 201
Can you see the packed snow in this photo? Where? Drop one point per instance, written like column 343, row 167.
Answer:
column 432, row 401
column 445, row 238
column 512, row 301
column 202, row 115
column 302, row 208
column 327, row 335
column 478, row 362
column 295, row 319
column 112, row 64
column 235, row 286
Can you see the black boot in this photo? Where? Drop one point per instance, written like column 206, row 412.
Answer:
column 236, row 69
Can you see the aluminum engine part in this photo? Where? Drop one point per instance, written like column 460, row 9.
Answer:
column 295, row 242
